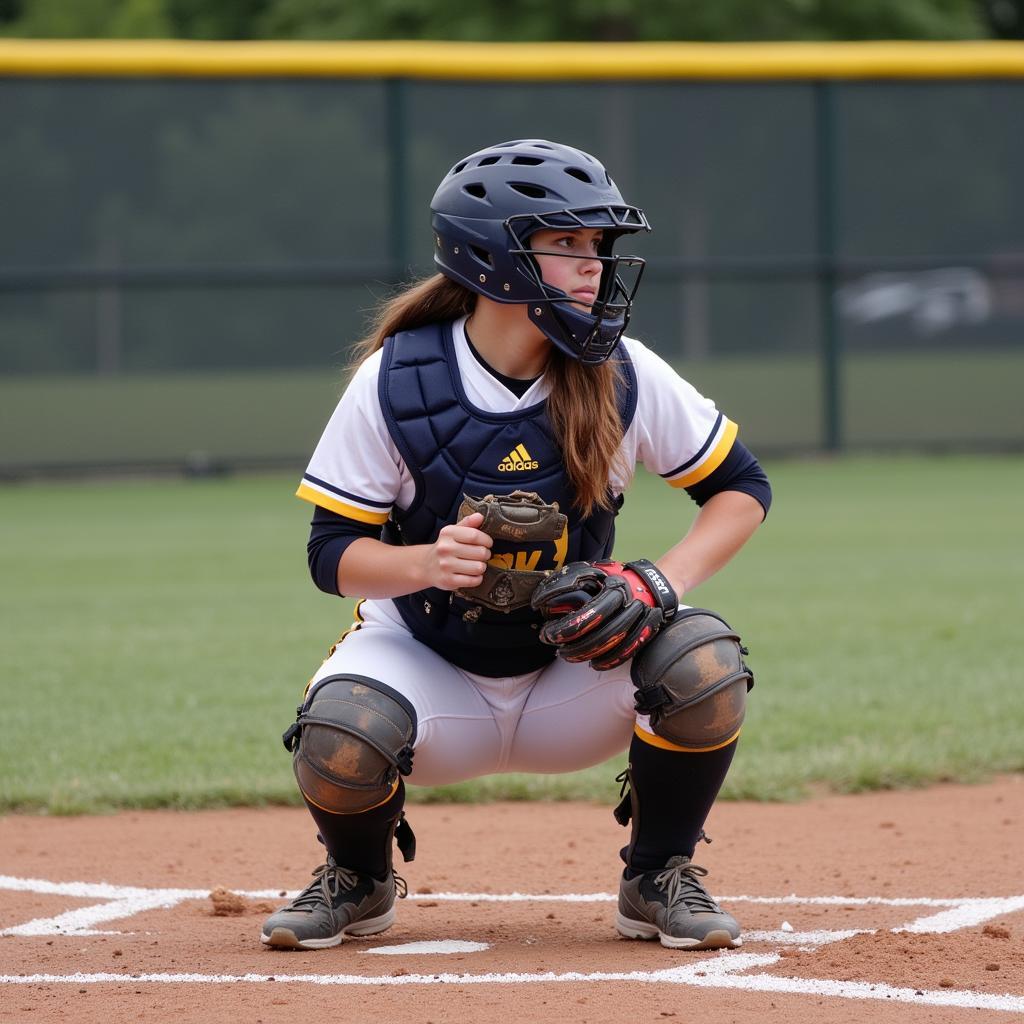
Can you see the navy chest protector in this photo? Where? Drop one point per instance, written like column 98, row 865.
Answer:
column 452, row 448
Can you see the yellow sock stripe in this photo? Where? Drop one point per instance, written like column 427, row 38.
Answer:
column 658, row 741
column 713, row 461
column 394, row 789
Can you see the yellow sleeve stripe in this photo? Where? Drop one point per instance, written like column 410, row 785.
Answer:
column 663, row 744
column 714, row 459
column 308, row 493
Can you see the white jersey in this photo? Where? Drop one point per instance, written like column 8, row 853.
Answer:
column 357, row 472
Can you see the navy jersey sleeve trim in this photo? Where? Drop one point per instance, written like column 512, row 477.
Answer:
column 345, row 494
column 739, row 471
column 700, row 454
column 329, row 537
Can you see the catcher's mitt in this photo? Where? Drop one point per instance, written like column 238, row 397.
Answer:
column 520, row 517
column 604, row 612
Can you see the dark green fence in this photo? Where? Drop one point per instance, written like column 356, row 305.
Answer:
column 184, row 262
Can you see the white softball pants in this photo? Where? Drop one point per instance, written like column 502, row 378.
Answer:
column 560, row 718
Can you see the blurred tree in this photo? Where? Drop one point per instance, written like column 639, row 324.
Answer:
column 10, row 10
column 1005, row 18
column 520, row 20
column 623, row 19
column 89, row 19
column 214, row 19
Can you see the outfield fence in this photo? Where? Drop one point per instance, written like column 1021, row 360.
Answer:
column 193, row 233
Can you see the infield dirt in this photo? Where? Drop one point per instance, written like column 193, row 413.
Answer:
column 935, row 846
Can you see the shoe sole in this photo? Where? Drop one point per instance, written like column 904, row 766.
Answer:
column 717, row 939
column 285, row 938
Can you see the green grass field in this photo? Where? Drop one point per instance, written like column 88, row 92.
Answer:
column 156, row 635
column 958, row 399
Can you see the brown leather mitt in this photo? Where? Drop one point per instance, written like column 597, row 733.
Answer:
column 519, row 517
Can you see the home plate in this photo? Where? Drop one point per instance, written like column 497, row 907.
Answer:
column 442, row 946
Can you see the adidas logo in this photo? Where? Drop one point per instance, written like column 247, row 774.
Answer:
column 517, row 460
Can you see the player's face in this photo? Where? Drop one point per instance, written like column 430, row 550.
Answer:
column 567, row 261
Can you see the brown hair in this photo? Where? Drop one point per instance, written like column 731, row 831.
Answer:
column 581, row 406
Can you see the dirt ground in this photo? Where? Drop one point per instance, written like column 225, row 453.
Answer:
column 903, row 906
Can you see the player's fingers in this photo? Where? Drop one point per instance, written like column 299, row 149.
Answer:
column 473, row 520
column 465, row 582
column 463, row 559
column 472, row 553
column 465, row 531
column 450, row 547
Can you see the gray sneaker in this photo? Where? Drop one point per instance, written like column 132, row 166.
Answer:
column 673, row 906
column 338, row 902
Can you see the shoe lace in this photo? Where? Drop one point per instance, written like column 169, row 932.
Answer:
column 329, row 880
column 681, row 884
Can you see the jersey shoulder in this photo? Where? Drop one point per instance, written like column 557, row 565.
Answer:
column 682, row 435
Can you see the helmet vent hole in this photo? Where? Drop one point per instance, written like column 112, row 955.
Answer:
column 482, row 255
column 459, row 167
column 576, row 172
column 476, row 190
column 529, row 161
column 488, row 160
column 530, row 191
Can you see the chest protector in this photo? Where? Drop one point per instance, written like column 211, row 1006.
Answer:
column 452, row 448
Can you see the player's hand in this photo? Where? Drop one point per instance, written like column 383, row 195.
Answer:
column 604, row 612
column 458, row 557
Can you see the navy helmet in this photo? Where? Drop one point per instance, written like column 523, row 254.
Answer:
column 489, row 204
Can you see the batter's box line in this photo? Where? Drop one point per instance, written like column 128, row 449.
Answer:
column 122, row 902
column 715, row 972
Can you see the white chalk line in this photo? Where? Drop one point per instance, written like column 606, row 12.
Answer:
column 122, row 902
column 104, row 890
column 720, row 972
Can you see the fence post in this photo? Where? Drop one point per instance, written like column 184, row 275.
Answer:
column 828, row 274
column 398, row 177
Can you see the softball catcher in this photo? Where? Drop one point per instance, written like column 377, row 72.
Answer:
column 466, row 488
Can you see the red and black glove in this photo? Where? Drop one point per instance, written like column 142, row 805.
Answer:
column 603, row 612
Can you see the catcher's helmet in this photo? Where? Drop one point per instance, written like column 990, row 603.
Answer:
column 489, row 204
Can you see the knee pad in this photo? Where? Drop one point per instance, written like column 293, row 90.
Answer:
column 353, row 738
column 692, row 681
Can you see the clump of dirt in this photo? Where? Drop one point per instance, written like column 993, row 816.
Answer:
column 996, row 931
column 226, row 903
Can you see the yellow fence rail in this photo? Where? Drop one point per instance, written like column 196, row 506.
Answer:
column 100, row 58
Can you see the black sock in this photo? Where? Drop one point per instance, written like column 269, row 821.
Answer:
column 674, row 791
column 361, row 842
